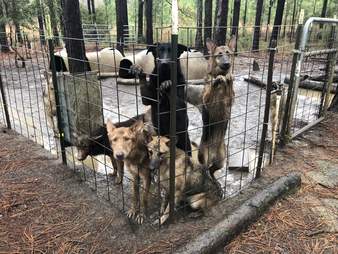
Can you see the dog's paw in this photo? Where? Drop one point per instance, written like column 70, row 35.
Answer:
column 139, row 219
column 165, row 86
column 219, row 80
column 136, row 70
column 118, row 179
column 132, row 213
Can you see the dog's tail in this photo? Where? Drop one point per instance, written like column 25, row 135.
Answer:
column 194, row 152
column 201, row 201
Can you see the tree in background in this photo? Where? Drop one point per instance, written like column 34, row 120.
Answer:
column 235, row 19
column 245, row 12
column 121, row 22
column 149, row 21
column 199, row 21
column 221, row 23
column 41, row 23
column 3, row 35
column 271, row 2
column 74, row 37
column 207, row 20
column 140, row 21
column 257, row 32
column 278, row 20
column 52, row 8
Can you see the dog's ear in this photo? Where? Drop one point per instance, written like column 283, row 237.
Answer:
column 110, row 126
column 137, row 127
column 211, row 45
column 232, row 43
column 181, row 48
column 152, row 49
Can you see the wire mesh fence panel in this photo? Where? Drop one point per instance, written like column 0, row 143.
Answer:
column 114, row 122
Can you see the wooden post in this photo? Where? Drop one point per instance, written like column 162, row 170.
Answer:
column 172, row 172
column 4, row 104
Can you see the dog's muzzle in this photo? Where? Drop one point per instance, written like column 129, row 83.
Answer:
column 225, row 66
column 154, row 164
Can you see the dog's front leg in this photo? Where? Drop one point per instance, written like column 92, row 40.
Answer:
column 132, row 213
column 178, row 198
column 144, row 196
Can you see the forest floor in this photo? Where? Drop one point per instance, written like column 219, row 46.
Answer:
column 45, row 208
column 306, row 222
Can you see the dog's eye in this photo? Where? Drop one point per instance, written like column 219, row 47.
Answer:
column 150, row 152
column 126, row 138
column 220, row 53
column 114, row 139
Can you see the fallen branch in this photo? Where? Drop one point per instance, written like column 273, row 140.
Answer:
column 312, row 85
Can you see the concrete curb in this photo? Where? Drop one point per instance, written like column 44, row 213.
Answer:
column 246, row 214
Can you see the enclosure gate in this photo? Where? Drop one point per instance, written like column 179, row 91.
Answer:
column 296, row 119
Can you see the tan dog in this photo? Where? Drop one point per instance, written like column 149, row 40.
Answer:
column 193, row 182
column 215, row 101
column 128, row 145
column 49, row 102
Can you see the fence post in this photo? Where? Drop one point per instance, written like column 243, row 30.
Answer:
column 331, row 58
column 4, row 104
column 57, row 100
column 173, row 94
column 292, row 91
column 272, row 51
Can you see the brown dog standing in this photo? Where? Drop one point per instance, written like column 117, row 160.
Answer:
column 129, row 145
column 215, row 101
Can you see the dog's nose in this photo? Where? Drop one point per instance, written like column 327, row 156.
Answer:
column 225, row 66
column 119, row 156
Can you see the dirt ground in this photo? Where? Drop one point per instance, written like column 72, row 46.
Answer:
column 45, row 208
column 306, row 222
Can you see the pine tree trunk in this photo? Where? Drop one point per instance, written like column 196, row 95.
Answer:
column 222, row 16
column 278, row 20
column 257, row 32
column 41, row 26
column 149, row 21
column 199, row 21
column 18, row 33
column 53, row 21
column 3, row 35
column 235, row 20
column 89, row 7
column 73, row 29
column 215, row 18
column 140, row 21
column 324, row 9
column 93, row 12
column 269, row 19
column 121, row 23
column 207, row 19
column 245, row 12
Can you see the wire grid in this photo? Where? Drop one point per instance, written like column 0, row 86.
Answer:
column 25, row 86
column 309, row 104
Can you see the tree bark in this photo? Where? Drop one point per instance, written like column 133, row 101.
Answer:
column 278, row 20
column 149, row 21
column 93, row 11
column 89, row 7
column 121, row 22
column 324, row 9
column 222, row 17
column 53, row 21
column 18, row 33
column 269, row 19
column 207, row 20
column 140, row 21
column 245, row 12
column 257, row 32
column 199, row 21
column 3, row 35
column 74, row 37
column 235, row 20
